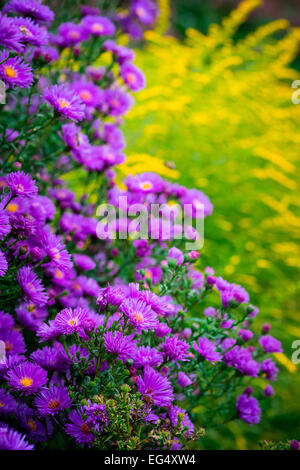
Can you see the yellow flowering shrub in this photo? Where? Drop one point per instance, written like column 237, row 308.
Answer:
column 221, row 110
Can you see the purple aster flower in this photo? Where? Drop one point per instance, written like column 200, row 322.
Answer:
column 32, row 9
column 245, row 335
column 10, row 35
column 3, row 264
column 183, row 380
column 140, row 315
column 47, row 53
column 121, row 53
column 13, row 440
column 196, row 204
column 27, row 378
column 98, row 25
column 144, row 355
column 96, row 416
column 133, row 76
column 84, row 262
column 21, row 184
column 162, row 330
column 175, row 349
column 116, row 102
column 113, row 136
column 56, row 251
column 176, row 254
column 155, row 388
column 174, row 413
column 248, row 409
column 4, row 225
column 65, row 101
column 208, row 350
column 78, row 428
column 268, row 367
column 90, row 94
column 30, row 316
column 268, row 391
column 270, row 344
column 145, row 183
column 196, row 278
column 52, row 400
column 71, row 34
column 13, row 341
column 32, row 286
column 31, row 32
column 145, row 11
column 6, row 321
column 14, row 71
column 7, row 404
column 51, row 358
column 117, row 343
column 70, row 321
column 241, row 359
column 47, row 332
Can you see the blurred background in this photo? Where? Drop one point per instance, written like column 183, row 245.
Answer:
column 218, row 108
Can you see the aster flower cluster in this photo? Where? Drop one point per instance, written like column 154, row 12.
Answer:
column 110, row 341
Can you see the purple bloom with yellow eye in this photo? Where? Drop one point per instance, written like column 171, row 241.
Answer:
column 175, row 349
column 32, row 9
column 90, row 94
column 3, row 264
column 268, row 367
column 79, row 429
column 207, row 349
column 21, row 184
column 27, row 378
column 70, row 321
column 155, row 387
column 65, row 102
column 133, row 77
column 121, row 53
column 14, row 71
column 30, row 316
column 52, row 400
column 139, row 314
column 56, row 251
column 145, row 11
column 13, row 440
column 10, row 36
column 71, row 33
column 98, row 25
column 31, row 33
column 248, row 409
column 32, row 286
column 147, row 182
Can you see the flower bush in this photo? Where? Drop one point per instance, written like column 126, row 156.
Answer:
column 111, row 341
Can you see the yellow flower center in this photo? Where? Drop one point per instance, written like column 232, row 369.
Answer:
column 25, row 31
column 54, row 403
column 8, row 346
column 146, row 185
column 12, row 207
column 1, row 404
column 97, row 28
column 85, row 95
column 26, row 382
column 131, row 77
column 74, row 34
column 138, row 317
column 31, row 424
column 73, row 322
column 10, row 72
column 59, row 274
column 64, row 103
